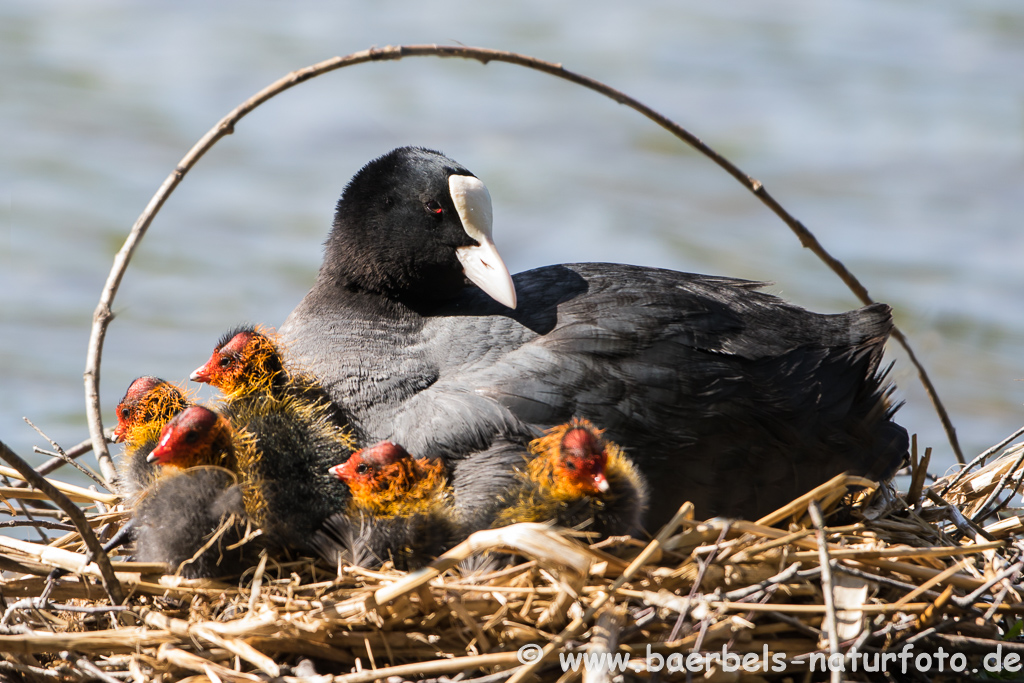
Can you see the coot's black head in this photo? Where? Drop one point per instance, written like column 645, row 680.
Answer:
column 412, row 225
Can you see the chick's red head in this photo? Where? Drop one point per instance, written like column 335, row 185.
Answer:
column 245, row 358
column 582, row 460
column 148, row 399
column 365, row 469
column 192, row 438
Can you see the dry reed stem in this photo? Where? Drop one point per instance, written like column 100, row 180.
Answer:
column 904, row 553
column 65, row 457
column 605, row 640
column 75, row 451
column 838, row 483
column 827, row 588
column 574, row 628
column 440, row 666
column 953, row 481
column 75, row 493
column 12, row 492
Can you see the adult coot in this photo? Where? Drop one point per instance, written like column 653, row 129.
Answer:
column 724, row 395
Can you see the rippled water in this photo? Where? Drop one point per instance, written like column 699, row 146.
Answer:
column 892, row 130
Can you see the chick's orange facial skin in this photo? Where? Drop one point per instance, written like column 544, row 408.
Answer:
column 386, row 481
column 577, row 479
column 571, row 460
column 226, row 362
column 245, row 360
column 148, row 401
column 371, row 469
column 192, row 438
column 130, row 409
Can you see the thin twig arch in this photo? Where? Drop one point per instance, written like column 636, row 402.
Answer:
column 103, row 314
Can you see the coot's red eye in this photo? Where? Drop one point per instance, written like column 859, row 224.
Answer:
column 433, row 207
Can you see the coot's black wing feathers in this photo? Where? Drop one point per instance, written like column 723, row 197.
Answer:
column 639, row 305
column 597, row 336
column 682, row 369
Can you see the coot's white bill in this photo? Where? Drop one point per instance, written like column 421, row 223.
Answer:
column 482, row 264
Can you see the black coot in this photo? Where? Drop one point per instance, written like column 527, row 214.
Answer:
column 724, row 395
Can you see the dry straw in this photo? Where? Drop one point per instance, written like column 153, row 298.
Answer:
column 847, row 567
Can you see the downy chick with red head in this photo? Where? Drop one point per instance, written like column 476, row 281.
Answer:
column 193, row 517
column 147, row 406
column 297, row 436
column 579, row 480
column 400, row 508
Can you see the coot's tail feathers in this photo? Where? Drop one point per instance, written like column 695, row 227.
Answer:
column 891, row 453
column 838, row 411
column 873, row 322
column 890, row 449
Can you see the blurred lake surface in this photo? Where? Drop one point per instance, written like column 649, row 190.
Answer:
column 893, row 130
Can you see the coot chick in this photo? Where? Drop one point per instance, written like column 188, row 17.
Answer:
column 577, row 479
column 193, row 517
column 245, row 361
column 193, row 522
column 147, row 406
column 386, row 481
column 298, row 435
column 400, row 508
column 279, row 457
column 731, row 398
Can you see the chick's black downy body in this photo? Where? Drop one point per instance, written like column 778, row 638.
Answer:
column 194, row 521
column 293, row 436
column 289, row 491
column 728, row 396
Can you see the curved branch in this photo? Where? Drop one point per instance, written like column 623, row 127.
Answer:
column 103, row 314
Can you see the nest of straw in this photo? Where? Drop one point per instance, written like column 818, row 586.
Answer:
column 849, row 569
